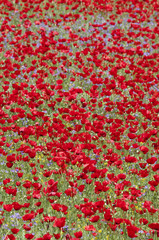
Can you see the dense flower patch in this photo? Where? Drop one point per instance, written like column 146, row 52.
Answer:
column 79, row 119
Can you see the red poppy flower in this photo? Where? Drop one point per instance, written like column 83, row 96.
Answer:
column 90, row 228
column 130, row 159
column 9, row 164
column 144, row 149
column 153, row 183
column 59, row 207
column 71, row 192
column 57, row 236
column 154, row 226
column 5, row 181
column 47, row 236
column 107, row 215
column 151, row 160
column 156, row 177
column 15, row 230
column 94, row 218
column 59, row 222
column 8, row 207
column 17, row 206
column 155, row 167
column 132, row 230
column 28, row 216
column 132, row 135
column 143, row 220
column 29, row 236
column 118, row 220
column 81, row 188
column 27, row 228
column 11, row 237
column 142, row 165
column 78, row 234
column 27, row 184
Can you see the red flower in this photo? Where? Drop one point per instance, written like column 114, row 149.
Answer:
column 27, row 184
column 78, row 234
column 20, row 174
column 135, row 192
column 27, row 228
column 57, row 236
column 143, row 165
column 5, row 181
column 71, row 192
column 11, row 158
column 9, row 165
column 155, row 167
column 81, row 188
column 28, row 216
column 47, row 173
column 112, row 226
column 18, row 183
column 32, row 153
column 90, row 228
column 143, row 173
column 68, row 237
column 94, row 219
column 29, row 236
column 121, row 176
column 132, row 230
column 154, row 226
column 107, row 215
column 15, row 230
column 17, row 206
column 47, row 236
column 59, row 207
column 118, row 220
column 153, row 183
column 11, row 237
column 143, row 220
column 59, row 222
column 11, row 190
column 151, row 160
column 130, row 159
column 144, row 149
column 132, row 135
column 156, row 177
column 8, row 207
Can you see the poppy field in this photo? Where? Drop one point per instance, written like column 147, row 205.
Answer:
column 79, row 119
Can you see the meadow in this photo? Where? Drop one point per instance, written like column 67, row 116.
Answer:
column 79, row 120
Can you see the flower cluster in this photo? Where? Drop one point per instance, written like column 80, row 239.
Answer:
column 79, row 118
